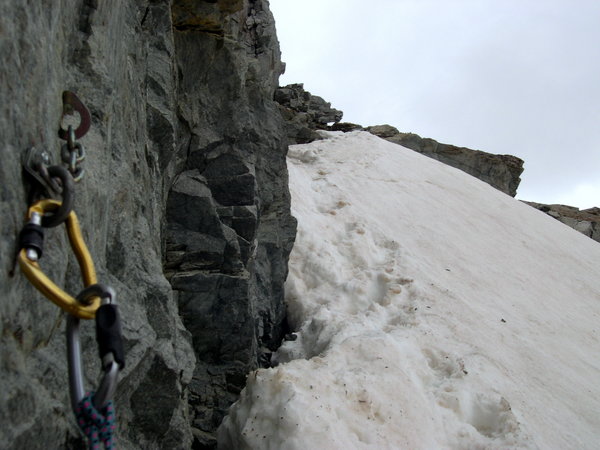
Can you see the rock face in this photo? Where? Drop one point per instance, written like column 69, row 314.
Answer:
column 304, row 113
column 500, row 171
column 585, row 221
column 184, row 206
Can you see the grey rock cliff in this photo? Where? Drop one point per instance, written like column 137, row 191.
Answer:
column 229, row 230
column 184, row 206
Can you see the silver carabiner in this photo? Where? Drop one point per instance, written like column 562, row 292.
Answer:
column 112, row 361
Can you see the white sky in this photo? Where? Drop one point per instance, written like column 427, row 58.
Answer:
column 518, row 77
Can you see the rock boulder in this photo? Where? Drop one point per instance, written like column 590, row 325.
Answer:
column 304, row 113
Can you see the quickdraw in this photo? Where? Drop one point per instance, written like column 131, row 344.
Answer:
column 93, row 410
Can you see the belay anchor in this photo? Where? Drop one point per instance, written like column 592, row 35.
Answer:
column 94, row 411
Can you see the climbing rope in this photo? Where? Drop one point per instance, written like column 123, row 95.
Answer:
column 98, row 425
column 94, row 411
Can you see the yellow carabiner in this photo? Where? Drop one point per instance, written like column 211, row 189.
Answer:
column 45, row 285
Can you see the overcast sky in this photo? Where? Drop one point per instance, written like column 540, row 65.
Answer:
column 519, row 77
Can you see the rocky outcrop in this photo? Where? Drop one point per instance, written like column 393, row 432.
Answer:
column 346, row 127
column 184, row 206
column 500, row 171
column 585, row 221
column 304, row 113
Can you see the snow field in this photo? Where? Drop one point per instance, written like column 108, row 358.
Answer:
column 432, row 312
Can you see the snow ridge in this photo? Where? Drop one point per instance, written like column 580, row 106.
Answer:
column 432, row 312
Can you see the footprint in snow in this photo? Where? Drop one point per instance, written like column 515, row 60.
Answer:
column 486, row 413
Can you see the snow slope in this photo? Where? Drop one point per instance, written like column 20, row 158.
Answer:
column 432, row 310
